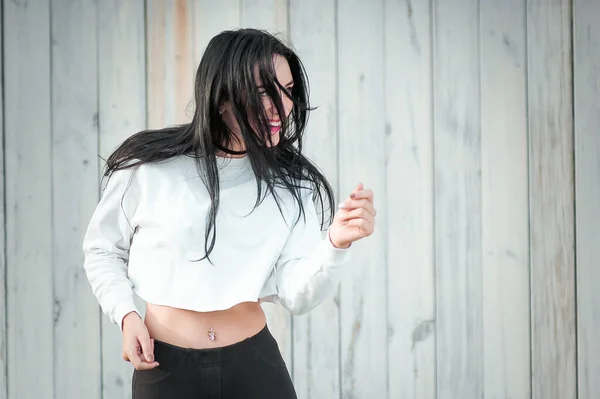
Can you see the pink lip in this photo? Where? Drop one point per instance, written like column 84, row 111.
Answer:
column 275, row 129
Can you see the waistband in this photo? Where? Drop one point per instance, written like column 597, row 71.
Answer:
column 172, row 355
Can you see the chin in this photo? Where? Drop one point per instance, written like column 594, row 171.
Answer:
column 274, row 140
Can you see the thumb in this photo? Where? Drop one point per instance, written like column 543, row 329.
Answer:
column 147, row 347
column 359, row 187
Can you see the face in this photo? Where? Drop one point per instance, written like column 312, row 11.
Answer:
column 284, row 77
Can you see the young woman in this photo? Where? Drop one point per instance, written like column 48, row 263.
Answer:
column 206, row 220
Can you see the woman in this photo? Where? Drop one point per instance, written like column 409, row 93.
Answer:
column 206, row 220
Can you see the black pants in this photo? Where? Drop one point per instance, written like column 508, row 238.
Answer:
column 250, row 369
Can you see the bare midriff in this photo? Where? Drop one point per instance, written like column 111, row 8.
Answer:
column 190, row 329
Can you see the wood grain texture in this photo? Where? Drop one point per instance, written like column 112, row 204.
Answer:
column 122, row 105
column 169, row 62
column 209, row 20
column 74, row 91
column 551, row 173
column 272, row 16
column 458, row 208
column 363, row 158
column 409, row 171
column 505, row 200
column 586, row 30
column 3, row 293
column 28, row 141
column 316, row 335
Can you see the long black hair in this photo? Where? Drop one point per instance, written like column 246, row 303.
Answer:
column 227, row 74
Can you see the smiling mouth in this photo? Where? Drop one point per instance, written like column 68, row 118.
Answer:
column 275, row 126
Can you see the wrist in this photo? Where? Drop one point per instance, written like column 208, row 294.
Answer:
column 336, row 244
column 128, row 317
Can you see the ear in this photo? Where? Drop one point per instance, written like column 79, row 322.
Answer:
column 223, row 107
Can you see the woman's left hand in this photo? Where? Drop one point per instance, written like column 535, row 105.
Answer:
column 355, row 218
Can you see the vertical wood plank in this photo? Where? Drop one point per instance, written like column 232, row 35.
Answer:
column 587, row 192
column 28, row 198
column 505, row 200
column 362, row 158
column 3, row 293
column 458, row 210
column 272, row 16
column 74, row 176
column 551, row 200
column 122, row 105
column 210, row 20
column 316, row 335
column 170, row 64
column 410, row 259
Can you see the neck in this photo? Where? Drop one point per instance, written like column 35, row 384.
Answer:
column 229, row 152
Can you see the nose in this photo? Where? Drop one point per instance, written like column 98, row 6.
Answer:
column 286, row 102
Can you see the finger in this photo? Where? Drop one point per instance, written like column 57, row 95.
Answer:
column 134, row 358
column 147, row 348
column 147, row 366
column 359, row 187
column 142, row 363
column 363, row 194
column 362, row 203
column 357, row 214
column 129, row 349
column 364, row 225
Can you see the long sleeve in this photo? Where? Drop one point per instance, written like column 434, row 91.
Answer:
column 106, row 247
column 309, row 267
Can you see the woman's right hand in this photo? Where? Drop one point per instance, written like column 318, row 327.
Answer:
column 138, row 348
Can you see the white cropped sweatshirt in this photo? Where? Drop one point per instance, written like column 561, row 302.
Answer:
column 147, row 233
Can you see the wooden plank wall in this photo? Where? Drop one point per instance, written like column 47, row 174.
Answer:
column 122, row 111
column 410, row 187
column 505, row 199
column 28, row 140
column 3, row 292
column 475, row 122
column 586, row 53
column 457, row 200
column 361, row 133
column 74, row 116
column 551, row 193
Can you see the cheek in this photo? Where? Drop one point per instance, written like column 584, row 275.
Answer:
column 288, row 105
column 267, row 104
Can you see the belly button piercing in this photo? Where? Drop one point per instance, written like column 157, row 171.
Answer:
column 211, row 334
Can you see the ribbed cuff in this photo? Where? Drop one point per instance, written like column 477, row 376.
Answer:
column 122, row 310
column 332, row 254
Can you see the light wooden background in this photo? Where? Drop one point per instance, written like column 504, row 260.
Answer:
column 477, row 123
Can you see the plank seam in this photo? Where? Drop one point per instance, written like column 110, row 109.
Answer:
column 51, row 128
column 4, row 235
column 432, row 42
column 528, row 133
column 385, row 205
column 571, row 6
column 480, row 299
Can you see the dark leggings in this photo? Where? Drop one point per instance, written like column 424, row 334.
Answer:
column 250, row 369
